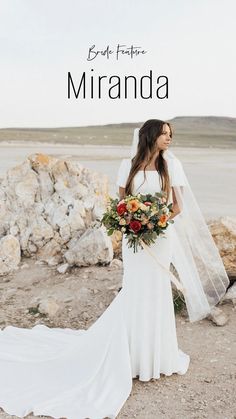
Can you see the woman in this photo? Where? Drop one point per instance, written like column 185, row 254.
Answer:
column 78, row 374
column 146, row 285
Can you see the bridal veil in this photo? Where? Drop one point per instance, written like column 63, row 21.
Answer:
column 196, row 259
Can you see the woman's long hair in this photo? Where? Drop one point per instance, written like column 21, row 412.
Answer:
column 148, row 134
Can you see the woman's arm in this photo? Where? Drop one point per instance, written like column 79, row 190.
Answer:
column 121, row 192
column 175, row 207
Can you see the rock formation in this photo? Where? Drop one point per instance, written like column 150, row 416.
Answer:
column 223, row 231
column 51, row 208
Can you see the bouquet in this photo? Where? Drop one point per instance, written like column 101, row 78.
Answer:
column 142, row 218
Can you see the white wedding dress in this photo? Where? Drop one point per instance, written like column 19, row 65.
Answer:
column 78, row 374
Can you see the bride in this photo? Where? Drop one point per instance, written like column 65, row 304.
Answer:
column 78, row 374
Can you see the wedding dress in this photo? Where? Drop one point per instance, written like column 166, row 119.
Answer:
column 81, row 374
column 78, row 374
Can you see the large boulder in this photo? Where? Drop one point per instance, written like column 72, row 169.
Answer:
column 116, row 239
column 93, row 247
column 223, row 231
column 10, row 254
column 49, row 204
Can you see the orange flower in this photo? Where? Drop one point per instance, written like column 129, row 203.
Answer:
column 132, row 205
column 162, row 221
column 163, row 218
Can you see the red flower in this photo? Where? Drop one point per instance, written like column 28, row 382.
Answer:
column 121, row 208
column 148, row 203
column 135, row 226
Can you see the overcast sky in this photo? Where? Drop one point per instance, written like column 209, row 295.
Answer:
column 192, row 42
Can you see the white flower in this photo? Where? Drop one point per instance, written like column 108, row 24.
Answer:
column 144, row 207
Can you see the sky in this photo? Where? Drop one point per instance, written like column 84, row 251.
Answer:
column 191, row 42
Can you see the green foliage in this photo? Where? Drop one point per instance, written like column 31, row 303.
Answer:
column 179, row 302
column 35, row 310
column 139, row 217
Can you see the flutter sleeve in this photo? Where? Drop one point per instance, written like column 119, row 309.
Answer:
column 123, row 172
column 176, row 173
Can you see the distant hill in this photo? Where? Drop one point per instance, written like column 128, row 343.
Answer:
column 205, row 124
column 189, row 131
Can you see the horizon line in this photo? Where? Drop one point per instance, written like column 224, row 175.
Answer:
column 112, row 123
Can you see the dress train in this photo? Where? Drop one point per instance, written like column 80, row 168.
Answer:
column 78, row 374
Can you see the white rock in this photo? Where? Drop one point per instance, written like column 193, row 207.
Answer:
column 40, row 231
column 97, row 212
column 65, row 233
column 93, row 247
column 49, row 307
column 42, row 162
column 50, row 253
column 10, row 254
column 74, row 168
column 63, row 268
column 218, row 316
column 26, row 189
column 60, row 170
column 85, row 315
column 230, row 224
column 95, row 291
column 24, row 266
column 17, row 173
column 116, row 264
column 46, row 185
column 64, row 193
column 80, row 191
column 46, row 198
column 112, row 287
column 68, row 299
column 58, row 216
column 231, row 294
column 223, row 231
column 32, row 248
column 75, row 220
column 14, row 230
column 22, row 222
column 89, row 203
column 54, row 260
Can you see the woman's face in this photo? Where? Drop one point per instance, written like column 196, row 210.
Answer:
column 164, row 140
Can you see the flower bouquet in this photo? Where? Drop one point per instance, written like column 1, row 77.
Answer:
column 142, row 218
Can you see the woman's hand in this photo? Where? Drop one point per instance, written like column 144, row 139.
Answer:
column 175, row 207
column 176, row 211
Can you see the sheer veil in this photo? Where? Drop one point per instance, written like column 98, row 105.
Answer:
column 195, row 256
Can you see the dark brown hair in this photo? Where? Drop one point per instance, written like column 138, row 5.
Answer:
column 148, row 134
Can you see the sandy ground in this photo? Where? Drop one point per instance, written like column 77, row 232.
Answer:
column 207, row 390
column 211, row 171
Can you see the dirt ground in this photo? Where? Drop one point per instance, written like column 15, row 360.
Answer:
column 207, row 390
